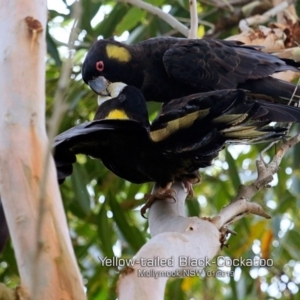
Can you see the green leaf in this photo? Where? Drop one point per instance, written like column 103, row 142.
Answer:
column 133, row 236
column 156, row 2
column 222, row 194
column 130, row 20
column 292, row 244
column 79, row 184
column 105, row 232
column 233, row 171
column 108, row 26
column 193, row 207
column 89, row 10
column 52, row 49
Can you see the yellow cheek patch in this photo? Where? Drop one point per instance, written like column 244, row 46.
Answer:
column 118, row 53
column 117, row 114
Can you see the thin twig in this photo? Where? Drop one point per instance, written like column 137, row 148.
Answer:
column 294, row 92
column 260, row 19
column 200, row 21
column 193, row 33
column 236, row 211
column 265, row 172
column 289, row 125
column 240, row 207
column 158, row 12
column 227, row 5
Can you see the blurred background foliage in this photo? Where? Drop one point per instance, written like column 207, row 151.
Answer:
column 103, row 210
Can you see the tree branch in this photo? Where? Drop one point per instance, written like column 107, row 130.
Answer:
column 175, row 238
column 22, row 152
column 193, row 32
column 173, row 235
column 159, row 13
column 59, row 109
column 265, row 172
column 245, row 24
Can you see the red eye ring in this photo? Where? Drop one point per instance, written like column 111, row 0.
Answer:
column 100, row 66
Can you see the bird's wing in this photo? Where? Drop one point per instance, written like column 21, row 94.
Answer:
column 216, row 64
column 94, row 139
column 237, row 115
column 207, row 108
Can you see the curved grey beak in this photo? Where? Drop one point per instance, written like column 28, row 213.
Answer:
column 99, row 85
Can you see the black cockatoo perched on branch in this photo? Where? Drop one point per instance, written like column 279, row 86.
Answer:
column 187, row 134
column 166, row 68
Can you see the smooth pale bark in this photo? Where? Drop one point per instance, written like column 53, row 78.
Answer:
column 173, row 236
column 43, row 249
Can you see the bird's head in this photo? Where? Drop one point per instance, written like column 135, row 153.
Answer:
column 109, row 61
column 111, row 91
column 121, row 101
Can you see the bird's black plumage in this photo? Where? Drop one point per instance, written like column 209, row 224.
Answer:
column 167, row 68
column 187, row 134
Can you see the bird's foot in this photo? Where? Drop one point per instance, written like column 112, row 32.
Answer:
column 224, row 232
column 189, row 186
column 159, row 194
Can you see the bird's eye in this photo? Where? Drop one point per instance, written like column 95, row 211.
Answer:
column 100, row 66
